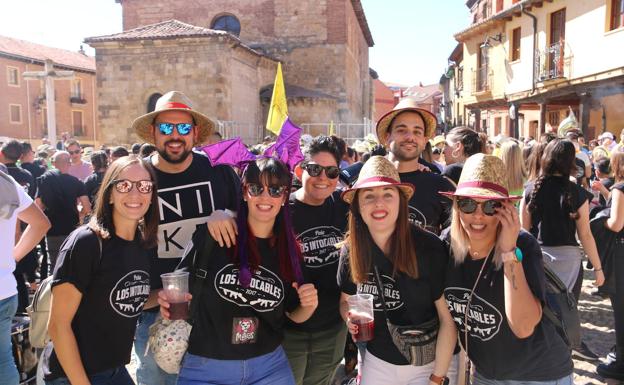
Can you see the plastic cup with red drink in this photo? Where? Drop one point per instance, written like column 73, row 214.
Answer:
column 361, row 314
column 175, row 286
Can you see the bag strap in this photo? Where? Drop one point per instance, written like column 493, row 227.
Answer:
column 381, row 292
column 200, row 272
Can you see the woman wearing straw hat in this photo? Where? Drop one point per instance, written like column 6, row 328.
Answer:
column 496, row 272
column 410, row 262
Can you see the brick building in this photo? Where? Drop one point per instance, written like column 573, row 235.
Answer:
column 23, row 102
column 174, row 44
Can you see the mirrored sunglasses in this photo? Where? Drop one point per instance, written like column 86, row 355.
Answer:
column 124, row 186
column 256, row 190
column 332, row 172
column 469, row 206
column 167, row 128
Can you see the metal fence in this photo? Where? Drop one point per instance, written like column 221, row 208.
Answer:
column 251, row 133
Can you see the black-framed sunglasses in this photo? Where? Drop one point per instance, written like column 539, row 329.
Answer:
column 469, row 206
column 274, row 191
column 124, row 186
column 167, row 128
column 332, row 172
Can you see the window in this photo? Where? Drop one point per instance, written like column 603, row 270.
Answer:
column 499, row 5
column 498, row 122
column 77, row 126
column 617, row 14
column 13, row 76
column 227, row 23
column 15, row 113
column 515, row 44
column 76, row 88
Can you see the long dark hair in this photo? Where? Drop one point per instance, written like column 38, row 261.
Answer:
column 557, row 160
column 102, row 220
column 245, row 253
column 402, row 249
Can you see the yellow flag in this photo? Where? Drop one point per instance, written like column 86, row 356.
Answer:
column 278, row 109
column 331, row 128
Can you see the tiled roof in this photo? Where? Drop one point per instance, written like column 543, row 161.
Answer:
column 25, row 50
column 169, row 29
column 421, row 93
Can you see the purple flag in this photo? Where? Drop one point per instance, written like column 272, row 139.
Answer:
column 230, row 151
column 287, row 148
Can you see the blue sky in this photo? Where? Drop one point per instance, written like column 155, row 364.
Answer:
column 413, row 38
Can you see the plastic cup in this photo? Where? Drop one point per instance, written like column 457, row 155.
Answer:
column 362, row 314
column 175, row 286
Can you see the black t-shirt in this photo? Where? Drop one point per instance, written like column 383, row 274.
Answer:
column 453, row 171
column 318, row 229
column 114, row 288
column 618, row 186
column 551, row 223
column 237, row 323
column 59, row 193
column 36, row 170
column 23, row 177
column 432, row 167
column 186, row 200
column 92, row 185
column 427, row 208
column 607, row 183
column 409, row 301
column 492, row 347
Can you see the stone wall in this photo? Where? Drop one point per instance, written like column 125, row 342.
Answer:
column 320, row 43
column 221, row 79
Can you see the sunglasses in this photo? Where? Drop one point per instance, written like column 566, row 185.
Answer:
column 167, row 128
column 469, row 206
column 124, row 186
column 332, row 172
column 75, row 152
column 255, row 190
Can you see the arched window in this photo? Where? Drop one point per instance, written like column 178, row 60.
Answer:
column 227, row 23
column 151, row 102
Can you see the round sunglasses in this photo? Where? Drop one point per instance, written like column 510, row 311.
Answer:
column 332, row 172
column 255, row 190
column 124, row 186
column 469, row 206
column 167, row 128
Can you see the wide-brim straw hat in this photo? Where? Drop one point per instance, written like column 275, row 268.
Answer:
column 407, row 104
column 173, row 101
column 483, row 177
column 376, row 172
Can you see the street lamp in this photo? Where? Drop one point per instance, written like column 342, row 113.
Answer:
column 486, row 43
column 49, row 75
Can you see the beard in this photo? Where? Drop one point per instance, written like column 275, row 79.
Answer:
column 400, row 155
column 178, row 158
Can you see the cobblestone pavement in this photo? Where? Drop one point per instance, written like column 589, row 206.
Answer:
column 599, row 334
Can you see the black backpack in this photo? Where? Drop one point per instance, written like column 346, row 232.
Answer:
column 561, row 309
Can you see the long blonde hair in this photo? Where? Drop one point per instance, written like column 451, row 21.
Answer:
column 511, row 154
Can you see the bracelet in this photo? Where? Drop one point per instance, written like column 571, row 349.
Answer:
column 597, row 270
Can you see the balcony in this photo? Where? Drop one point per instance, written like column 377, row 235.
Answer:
column 550, row 62
column 77, row 99
column 481, row 80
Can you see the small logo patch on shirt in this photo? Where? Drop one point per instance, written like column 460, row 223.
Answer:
column 244, row 330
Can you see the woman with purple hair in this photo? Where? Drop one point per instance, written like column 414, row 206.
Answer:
column 249, row 289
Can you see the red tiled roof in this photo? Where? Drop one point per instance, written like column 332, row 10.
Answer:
column 169, row 29
column 422, row 93
column 21, row 49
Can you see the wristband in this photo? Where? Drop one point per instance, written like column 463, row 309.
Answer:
column 440, row 380
column 512, row 256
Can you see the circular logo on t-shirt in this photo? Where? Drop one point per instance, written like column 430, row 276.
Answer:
column 130, row 293
column 417, row 217
column 484, row 320
column 265, row 292
column 318, row 246
column 391, row 292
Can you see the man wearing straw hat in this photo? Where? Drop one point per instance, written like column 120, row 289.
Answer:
column 191, row 192
column 405, row 131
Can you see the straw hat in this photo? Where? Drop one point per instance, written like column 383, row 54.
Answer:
column 407, row 104
column 437, row 140
column 483, row 177
column 378, row 171
column 173, row 101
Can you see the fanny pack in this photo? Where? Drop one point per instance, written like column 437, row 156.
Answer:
column 417, row 343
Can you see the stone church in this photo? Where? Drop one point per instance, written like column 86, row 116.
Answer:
column 223, row 54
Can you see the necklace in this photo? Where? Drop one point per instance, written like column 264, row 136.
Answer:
column 476, row 254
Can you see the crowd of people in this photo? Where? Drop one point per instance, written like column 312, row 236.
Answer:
column 451, row 234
